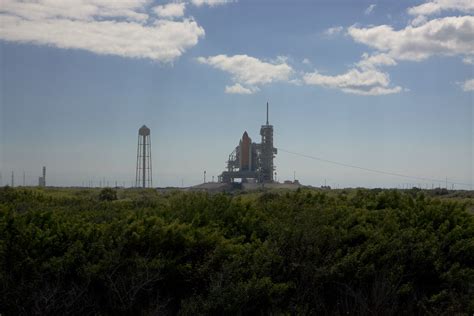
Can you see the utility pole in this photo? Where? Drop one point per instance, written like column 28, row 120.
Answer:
column 13, row 179
column 24, row 178
column 204, row 176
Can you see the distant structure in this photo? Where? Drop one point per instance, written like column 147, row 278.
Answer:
column 143, row 171
column 42, row 180
column 251, row 160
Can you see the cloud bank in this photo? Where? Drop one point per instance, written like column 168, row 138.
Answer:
column 106, row 27
column 437, row 6
column 249, row 72
column 423, row 38
column 211, row 3
column 170, row 10
column 443, row 36
column 468, row 85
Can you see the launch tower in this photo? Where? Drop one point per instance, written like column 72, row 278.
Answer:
column 267, row 152
column 252, row 160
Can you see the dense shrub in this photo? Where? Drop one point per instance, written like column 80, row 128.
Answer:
column 107, row 194
column 370, row 252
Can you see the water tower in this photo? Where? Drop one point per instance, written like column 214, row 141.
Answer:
column 143, row 172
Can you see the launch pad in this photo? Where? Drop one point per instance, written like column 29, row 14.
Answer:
column 252, row 161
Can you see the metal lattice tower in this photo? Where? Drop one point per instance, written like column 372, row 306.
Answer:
column 143, row 172
column 267, row 152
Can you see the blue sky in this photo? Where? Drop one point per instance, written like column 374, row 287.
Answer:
column 379, row 84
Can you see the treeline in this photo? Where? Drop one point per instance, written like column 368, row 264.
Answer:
column 360, row 252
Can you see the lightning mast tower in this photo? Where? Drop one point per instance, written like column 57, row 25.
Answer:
column 143, row 172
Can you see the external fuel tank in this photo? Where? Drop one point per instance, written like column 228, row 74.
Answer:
column 245, row 152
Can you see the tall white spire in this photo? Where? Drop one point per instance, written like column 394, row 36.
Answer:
column 267, row 112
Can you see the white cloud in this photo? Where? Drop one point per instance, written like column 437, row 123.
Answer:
column 468, row 85
column 211, row 3
column 469, row 60
column 364, row 78
column 75, row 9
column 421, row 39
column 250, row 71
column 306, row 61
column 356, row 81
column 436, row 6
column 239, row 89
column 99, row 26
column 444, row 36
column 419, row 20
column 332, row 31
column 170, row 10
column 372, row 61
column 369, row 9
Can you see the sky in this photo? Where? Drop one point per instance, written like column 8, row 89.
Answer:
column 385, row 85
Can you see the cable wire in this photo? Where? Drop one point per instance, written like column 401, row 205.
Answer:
column 372, row 170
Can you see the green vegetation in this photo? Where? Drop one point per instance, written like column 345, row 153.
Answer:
column 365, row 252
column 107, row 194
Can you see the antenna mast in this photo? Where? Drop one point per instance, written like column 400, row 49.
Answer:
column 267, row 112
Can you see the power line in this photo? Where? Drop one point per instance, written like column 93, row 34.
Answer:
column 372, row 170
